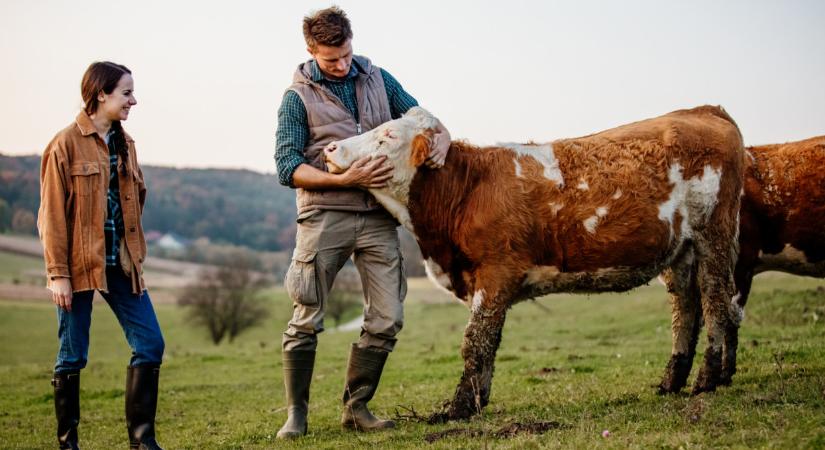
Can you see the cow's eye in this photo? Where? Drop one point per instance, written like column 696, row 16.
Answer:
column 381, row 142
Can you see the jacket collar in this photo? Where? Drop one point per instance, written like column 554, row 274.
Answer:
column 309, row 70
column 87, row 127
column 85, row 124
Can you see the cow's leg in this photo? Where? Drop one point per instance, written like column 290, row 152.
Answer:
column 715, row 280
column 686, row 322
column 481, row 340
column 743, row 278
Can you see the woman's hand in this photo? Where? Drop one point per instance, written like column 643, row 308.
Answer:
column 62, row 293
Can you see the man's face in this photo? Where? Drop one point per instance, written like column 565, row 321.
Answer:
column 334, row 62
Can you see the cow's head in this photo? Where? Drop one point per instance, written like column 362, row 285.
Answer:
column 406, row 142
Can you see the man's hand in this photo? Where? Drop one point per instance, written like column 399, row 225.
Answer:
column 62, row 293
column 440, row 147
column 368, row 173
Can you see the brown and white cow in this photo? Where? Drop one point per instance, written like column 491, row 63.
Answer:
column 782, row 228
column 605, row 212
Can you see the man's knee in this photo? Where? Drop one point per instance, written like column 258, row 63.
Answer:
column 381, row 334
column 294, row 340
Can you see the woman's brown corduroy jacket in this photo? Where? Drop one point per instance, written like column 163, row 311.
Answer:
column 74, row 180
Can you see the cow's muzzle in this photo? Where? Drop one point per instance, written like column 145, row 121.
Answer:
column 330, row 153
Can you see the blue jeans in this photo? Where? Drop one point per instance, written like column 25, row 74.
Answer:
column 134, row 312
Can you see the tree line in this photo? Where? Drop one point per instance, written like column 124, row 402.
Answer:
column 238, row 207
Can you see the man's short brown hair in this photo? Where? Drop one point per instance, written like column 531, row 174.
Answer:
column 327, row 27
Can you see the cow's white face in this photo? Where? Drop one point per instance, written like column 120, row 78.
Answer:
column 406, row 142
column 392, row 139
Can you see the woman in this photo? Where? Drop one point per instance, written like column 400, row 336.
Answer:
column 91, row 201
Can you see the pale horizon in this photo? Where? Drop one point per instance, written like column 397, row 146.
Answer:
column 209, row 77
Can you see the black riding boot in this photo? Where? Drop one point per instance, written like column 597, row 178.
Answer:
column 141, row 404
column 67, row 408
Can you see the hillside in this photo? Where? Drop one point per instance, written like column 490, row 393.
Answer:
column 237, row 207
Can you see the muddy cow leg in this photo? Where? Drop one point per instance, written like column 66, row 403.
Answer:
column 481, row 340
column 715, row 280
column 686, row 322
column 744, row 279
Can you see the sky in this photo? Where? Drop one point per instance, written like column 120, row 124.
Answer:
column 210, row 75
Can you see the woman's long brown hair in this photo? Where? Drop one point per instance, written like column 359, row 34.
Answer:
column 103, row 76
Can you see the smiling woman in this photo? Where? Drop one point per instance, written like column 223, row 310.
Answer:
column 91, row 202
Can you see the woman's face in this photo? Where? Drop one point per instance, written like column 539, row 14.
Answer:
column 115, row 106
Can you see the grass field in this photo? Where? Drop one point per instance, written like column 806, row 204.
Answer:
column 572, row 365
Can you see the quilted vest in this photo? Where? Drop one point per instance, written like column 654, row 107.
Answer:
column 330, row 120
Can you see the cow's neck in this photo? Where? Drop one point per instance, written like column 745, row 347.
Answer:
column 437, row 197
column 438, row 204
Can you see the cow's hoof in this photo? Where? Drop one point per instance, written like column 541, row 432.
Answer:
column 676, row 374
column 439, row 417
column 700, row 387
column 726, row 378
column 666, row 388
column 450, row 412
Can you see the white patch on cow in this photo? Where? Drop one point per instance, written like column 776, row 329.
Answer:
column 544, row 155
column 394, row 207
column 518, row 166
column 738, row 311
column 436, row 274
column 582, row 186
column 478, row 298
column 555, row 207
column 661, row 280
column 591, row 222
column 617, row 194
column 694, row 199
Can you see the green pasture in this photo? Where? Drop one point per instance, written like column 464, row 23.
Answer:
column 570, row 365
column 16, row 268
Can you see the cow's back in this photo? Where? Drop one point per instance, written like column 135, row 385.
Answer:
column 619, row 183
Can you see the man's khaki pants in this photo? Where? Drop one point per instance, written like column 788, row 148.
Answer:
column 324, row 242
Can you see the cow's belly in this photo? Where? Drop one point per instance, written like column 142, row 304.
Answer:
column 790, row 260
column 542, row 280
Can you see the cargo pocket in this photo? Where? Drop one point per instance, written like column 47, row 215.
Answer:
column 301, row 283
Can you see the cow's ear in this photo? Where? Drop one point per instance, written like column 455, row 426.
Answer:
column 421, row 145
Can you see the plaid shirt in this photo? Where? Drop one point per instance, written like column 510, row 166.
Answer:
column 113, row 225
column 293, row 129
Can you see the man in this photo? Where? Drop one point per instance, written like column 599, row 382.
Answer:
column 337, row 95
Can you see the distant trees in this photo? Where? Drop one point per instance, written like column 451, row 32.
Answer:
column 237, row 207
column 23, row 222
column 5, row 216
column 225, row 300
column 19, row 193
